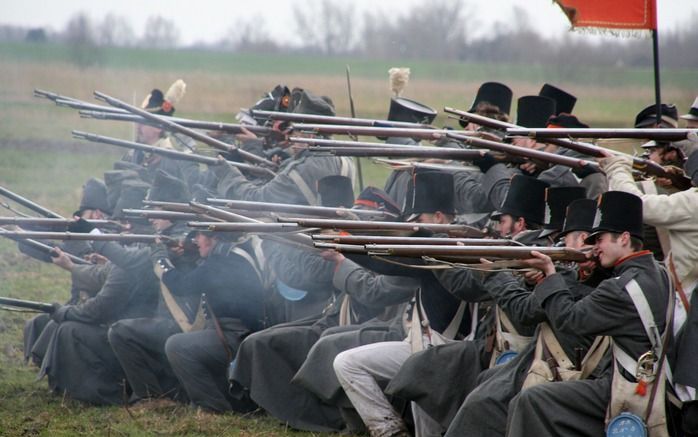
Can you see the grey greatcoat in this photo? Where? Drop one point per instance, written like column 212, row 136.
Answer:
column 78, row 359
column 295, row 182
column 370, row 290
column 578, row 407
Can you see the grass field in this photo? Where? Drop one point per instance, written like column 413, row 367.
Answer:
column 39, row 160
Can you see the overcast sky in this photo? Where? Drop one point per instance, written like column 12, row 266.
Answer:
column 209, row 20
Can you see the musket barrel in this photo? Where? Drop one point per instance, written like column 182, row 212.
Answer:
column 42, row 247
column 29, row 204
column 298, row 209
column 649, row 134
column 417, row 152
column 27, row 304
column 157, row 214
column 193, row 124
column 381, row 239
column 353, row 144
column 324, row 119
column 331, row 129
column 346, row 248
column 129, row 238
column 368, row 225
column 244, row 227
column 53, row 222
column 173, row 154
column 184, row 130
column 498, row 252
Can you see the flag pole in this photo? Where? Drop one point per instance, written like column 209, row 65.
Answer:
column 657, row 91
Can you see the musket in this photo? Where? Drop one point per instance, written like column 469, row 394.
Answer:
column 460, row 230
column 494, row 252
column 56, row 98
column 230, row 128
column 67, row 236
column 298, row 239
column 246, row 227
column 416, row 152
column 649, row 134
column 328, row 119
column 54, row 222
column 164, row 121
column 27, row 304
column 395, row 163
column 643, row 165
column 381, row 239
column 298, row 209
column 164, row 215
column 173, row 154
column 170, row 206
column 352, row 144
column 525, row 152
column 386, row 132
column 29, row 204
column 42, row 247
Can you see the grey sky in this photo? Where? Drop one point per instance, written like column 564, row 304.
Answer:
column 210, row 20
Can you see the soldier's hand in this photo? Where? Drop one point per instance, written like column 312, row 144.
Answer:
column 80, row 226
column 59, row 312
column 62, row 260
column 541, row 262
column 96, row 258
column 245, row 134
column 332, row 256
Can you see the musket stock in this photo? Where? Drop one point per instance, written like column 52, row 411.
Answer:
column 463, row 230
column 27, row 304
column 381, row 239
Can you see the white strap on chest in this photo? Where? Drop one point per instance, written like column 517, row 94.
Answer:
column 305, row 190
column 646, row 316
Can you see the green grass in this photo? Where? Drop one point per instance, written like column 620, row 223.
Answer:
column 52, row 176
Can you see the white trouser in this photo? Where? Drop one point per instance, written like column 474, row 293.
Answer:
column 359, row 369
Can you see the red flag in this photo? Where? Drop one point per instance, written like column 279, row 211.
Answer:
column 614, row 14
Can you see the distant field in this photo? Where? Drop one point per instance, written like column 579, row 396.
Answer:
column 220, row 83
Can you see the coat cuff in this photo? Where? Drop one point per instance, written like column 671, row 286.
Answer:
column 549, row 286
column 341, row 274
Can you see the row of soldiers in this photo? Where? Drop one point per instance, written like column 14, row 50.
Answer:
column 324, row 340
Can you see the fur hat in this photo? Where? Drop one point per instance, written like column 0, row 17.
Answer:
column 164, row 104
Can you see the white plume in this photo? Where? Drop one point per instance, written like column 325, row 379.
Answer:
column 398, row 79
column 176, row 92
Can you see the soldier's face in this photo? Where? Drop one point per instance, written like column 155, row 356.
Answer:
column 204, row 244
column 609, row 249
column 508, row 227
column 147, row 134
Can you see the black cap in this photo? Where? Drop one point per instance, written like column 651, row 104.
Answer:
column 157, row 104
column 411, row 111
column 336, row 191
column 278, row 100
column 167, row 188
column 618, row 212
column 691, row 167
column 113, row 179
column 648, row 116
column 556, row 201
column 525, row 198
column 567, row 121
column 375, row 198
column 305, row 102
column 131, row 197
column 579, row 216
column 496, row 94
column 94, row 196
column 534, row 111
column 564, row 101
column 430, row 191
column 693, row 112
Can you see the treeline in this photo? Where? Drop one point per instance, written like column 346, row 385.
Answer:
column 438, row 30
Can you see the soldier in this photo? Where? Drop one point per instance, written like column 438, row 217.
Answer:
column 78, row 360
column 631, row 307
column 675, row 218
column 296, row 181
column 139, row 343
column 439, row 316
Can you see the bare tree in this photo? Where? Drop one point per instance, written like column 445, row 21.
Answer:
column 325, row 25
column 116, row 31
column 250, row 35
column 79, row 34
column 160, row 33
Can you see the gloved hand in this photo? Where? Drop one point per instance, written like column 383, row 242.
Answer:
column 59, row 312
column 485, row 162
column 81, row 226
